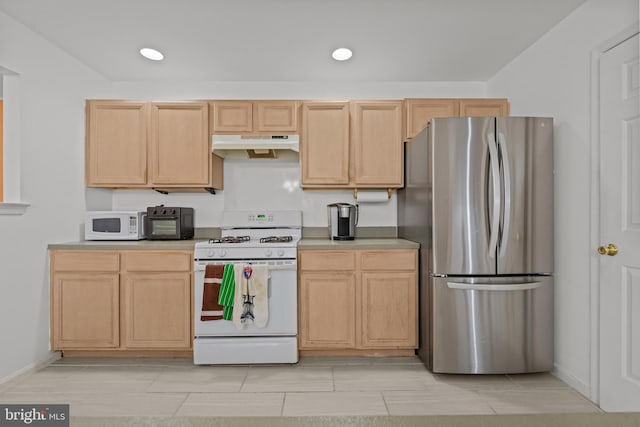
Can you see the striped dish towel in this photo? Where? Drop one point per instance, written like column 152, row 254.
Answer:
column 227, row 291
column 211, row 310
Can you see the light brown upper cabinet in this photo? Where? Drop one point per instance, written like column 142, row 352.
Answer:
column 481, row 107
column 351, row 144
column 419, row 111
column 116, row 143
column 324, row 143
column 254, row 117
column 150, row 145
column 377, row 143
column 179, row 148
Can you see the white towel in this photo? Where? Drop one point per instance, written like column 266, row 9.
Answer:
column 251, row 304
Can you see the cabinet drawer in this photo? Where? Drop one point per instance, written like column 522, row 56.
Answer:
column 85, row 261
column 388, row 260
column 157, row 261
column 327, row 260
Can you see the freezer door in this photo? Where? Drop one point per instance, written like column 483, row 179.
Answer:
column 492, row 325
column 525, row 245
column 464, row 181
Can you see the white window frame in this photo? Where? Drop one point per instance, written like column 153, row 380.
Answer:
column 12, row 204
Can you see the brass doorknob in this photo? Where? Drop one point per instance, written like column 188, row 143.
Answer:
column 610, row 249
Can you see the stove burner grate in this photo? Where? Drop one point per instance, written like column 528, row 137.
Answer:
column 276, row 239
column 231, row 239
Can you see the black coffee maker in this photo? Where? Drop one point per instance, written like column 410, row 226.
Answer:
column 342, row 220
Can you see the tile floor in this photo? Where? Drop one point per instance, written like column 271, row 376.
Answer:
column 313, row 387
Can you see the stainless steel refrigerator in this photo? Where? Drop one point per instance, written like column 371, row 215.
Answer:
column 478, row 197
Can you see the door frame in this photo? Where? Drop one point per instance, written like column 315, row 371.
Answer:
column 594, row 233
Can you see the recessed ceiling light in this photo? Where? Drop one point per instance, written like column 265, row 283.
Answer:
column 342, row 54
column 151, row 54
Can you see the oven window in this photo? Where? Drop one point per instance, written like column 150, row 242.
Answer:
column 106, row 225
column 164, row 227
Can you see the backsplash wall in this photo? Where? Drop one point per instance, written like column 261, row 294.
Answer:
column 272, row 184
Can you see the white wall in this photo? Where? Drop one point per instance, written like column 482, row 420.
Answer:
column 50, row 94
column 44, row 154
column 266, row 183
column 552, row 78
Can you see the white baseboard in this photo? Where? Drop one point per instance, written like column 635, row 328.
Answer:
column 578, row 385
column 32, row 367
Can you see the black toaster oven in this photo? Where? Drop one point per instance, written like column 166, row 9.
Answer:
column 169, row 223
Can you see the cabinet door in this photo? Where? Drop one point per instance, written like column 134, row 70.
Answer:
column 276, row 116
column 232, row 116
column 483, row 107
column 116, row 143
column 327, row 311
column 377, row 143
column 389, row 310
column 324, row 144
column 180, row 153
column 85, row 310
column 157, row 309
column 420, row 111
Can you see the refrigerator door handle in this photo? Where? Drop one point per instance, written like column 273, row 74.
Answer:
column 495, row 174
column 491, row 287
column 506, row 221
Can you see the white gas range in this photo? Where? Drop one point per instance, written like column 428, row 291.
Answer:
column 267, row 239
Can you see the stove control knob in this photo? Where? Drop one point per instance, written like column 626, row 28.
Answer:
column 268, row 252
column 280, row 252
column 223, row 253
column 210, row 253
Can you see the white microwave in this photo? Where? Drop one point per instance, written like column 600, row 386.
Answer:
column 114, row 225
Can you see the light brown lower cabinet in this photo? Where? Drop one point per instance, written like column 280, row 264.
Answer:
column 85, row 310
column 327, row 310
column 121, row 300
column 359, row 300
column 157, row 299
column 389, row 317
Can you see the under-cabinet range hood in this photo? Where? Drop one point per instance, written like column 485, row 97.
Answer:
column 255, row 146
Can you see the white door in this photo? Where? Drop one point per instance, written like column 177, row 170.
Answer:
column 620, row 225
